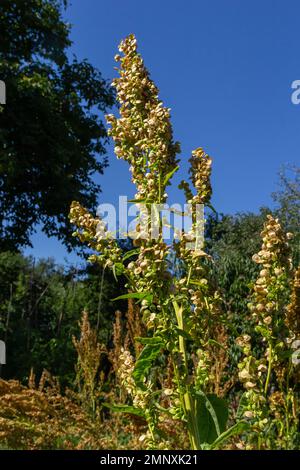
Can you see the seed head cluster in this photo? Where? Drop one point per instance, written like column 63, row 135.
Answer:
column 143, row 134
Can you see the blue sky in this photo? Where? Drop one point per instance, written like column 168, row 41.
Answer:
column 225, row 69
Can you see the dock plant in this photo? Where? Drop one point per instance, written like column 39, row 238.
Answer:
column 270, row 374
column 172, row 371
column 179, row 313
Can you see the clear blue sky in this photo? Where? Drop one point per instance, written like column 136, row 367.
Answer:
column 225, row 68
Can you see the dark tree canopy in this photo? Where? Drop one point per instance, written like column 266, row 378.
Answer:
column 51, row 134
column 287, row 199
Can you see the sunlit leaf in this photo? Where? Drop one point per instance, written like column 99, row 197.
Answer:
column 169, row 175
column 125, row 409
column 145, row 361
column 135, row 295
column 238, row 428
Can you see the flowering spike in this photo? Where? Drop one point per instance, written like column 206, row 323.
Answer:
column 143, row 134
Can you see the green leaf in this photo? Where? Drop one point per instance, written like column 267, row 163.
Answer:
column 198, row 283
column 183, row 333
column 131, row 253
column 125, row 409
column 211, row 416
column 236, row 429
column 114, row 273
column 205, row 446
column 208, row 204
column 169, row 175
column 212, row 341
column 117, row 270
column 135, row 295
column 242, row 405
column 263, row 330
column 138, row 201
column 152, row 340
column 145, row 361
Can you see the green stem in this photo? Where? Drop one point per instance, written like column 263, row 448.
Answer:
column 186, row 398
column 270, row 360
column 159, row 187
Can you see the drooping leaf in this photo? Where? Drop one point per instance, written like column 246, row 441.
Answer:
column 208, row 204
column 117, row 270
column 131, row 253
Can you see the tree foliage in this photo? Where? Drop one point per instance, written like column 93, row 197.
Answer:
column 51, row 133
column 40, row 307
column 287, row 198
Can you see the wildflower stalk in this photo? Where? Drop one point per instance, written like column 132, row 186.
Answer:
column 171, row 308
column 267, row 379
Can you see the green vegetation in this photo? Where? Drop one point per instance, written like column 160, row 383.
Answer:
column 51, row 136
column 149, row 346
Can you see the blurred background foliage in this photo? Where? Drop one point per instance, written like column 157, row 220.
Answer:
column 40, row 307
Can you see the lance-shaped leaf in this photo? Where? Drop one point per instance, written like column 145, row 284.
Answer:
column 152, row 340
column 211, row 416
column 145, row 361
column 236, row 429
column 169, row 175
column 125, row 409
column 135, row 295
column 131, row 253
